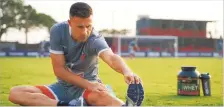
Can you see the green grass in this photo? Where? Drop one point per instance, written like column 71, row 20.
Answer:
column 159, row 77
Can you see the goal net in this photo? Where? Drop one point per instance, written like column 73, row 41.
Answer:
column 146, row 46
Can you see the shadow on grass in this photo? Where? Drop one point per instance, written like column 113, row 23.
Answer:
column 177, row 100
column 179, row 97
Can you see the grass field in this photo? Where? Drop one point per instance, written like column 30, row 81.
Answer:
column 159, row 76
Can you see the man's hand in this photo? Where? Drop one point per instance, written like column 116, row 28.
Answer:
column 97, row 87
column 131, row 78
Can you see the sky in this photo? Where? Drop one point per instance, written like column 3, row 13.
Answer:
column 123, row 14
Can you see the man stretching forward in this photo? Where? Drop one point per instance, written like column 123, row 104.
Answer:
column 75, row 47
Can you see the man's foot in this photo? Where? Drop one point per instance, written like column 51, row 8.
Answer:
column 135, row 95
column 141, row 94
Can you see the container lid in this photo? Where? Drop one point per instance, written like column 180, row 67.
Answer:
column 205, row 75
column 188, row 68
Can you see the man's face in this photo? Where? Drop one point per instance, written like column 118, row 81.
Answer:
column 81, row 28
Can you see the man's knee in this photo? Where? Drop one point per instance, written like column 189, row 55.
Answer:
column 96, row 98
column 13, row 93
column 16, row 92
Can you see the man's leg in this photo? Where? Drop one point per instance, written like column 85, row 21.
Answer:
column 30, row 96
column 101, row 99
column 135, row 96
column 132, row 55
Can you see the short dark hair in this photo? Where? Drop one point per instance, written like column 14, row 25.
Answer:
column 80, row 9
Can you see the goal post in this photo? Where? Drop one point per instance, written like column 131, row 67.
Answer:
column 148, row 46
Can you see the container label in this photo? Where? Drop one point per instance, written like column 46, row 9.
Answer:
column 188, row 86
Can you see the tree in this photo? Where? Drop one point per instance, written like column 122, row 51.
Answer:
column 9, row 14
column 44, row 20
column 124, row 31
column 13, row 14
column 33, row 19
column 104, row 31
column 114, row 31
column 27, row 21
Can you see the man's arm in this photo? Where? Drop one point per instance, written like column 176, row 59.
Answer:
column 118, row 64
column 136, row 47
column 58, row 62
column 115, row 62
column 101, row 48
column 62, row 72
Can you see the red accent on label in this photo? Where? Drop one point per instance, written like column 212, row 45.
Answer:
column 188, row 92
column 185, row 78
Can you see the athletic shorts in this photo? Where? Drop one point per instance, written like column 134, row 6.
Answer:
column 62, row 92
column 131, row 51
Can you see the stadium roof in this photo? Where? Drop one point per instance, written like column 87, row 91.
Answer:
column 178, row 19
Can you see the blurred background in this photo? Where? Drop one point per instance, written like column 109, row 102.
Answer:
column 178, row 26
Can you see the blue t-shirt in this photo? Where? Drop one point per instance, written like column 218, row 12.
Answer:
column 80, row 57
column 131, row 45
